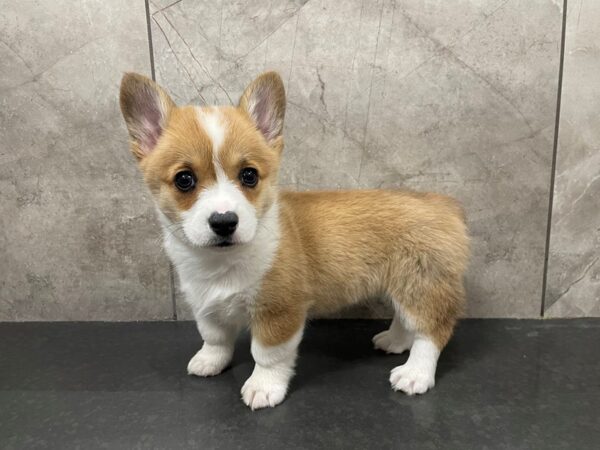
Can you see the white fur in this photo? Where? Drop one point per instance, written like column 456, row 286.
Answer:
column 221, row 284
column 417, row 375
column 213, row 124
column 395, row 340
column 210, row 360
column 219, row 335
column 273, row 370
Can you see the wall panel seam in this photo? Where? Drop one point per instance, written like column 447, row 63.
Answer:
column 172, row 295
column 554, row 155
column 150, row 46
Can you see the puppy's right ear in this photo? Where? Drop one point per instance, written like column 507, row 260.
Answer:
column 146, row 108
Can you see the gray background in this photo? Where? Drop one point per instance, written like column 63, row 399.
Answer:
column 456, row 97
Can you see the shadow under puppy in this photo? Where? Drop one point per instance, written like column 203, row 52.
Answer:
column 249, row 255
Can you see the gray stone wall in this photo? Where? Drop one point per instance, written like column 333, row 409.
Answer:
column 455, row 97
column 573, row 265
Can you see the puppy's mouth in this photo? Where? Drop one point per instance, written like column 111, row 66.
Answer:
column 222, row 243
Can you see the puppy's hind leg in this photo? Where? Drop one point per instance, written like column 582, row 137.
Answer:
column 431, row 317
column 417, row 375
column 397, row 339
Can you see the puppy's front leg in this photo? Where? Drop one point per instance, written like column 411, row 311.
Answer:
column 217, row 349
column 275, row 339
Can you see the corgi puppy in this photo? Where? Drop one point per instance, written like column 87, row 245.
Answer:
column 248, row 255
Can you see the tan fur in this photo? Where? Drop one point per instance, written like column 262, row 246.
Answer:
column 343, row 247
column 336, row 248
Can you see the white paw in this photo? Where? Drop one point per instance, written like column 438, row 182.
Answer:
column 260, row 391
column 412, row 379
column 391, row 343
column 209, row 361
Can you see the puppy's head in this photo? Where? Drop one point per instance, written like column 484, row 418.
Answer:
column 212, row 170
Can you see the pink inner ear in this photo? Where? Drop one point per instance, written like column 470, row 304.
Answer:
column 151, row 131
column 149, row 116
column 264, row 114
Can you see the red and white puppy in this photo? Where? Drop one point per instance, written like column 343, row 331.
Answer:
column 248, row 255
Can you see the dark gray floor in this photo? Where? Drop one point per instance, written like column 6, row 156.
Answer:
column 501, row 384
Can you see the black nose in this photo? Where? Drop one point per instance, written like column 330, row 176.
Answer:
column 223, row 224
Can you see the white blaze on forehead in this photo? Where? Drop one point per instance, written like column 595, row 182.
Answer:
column 213, row 123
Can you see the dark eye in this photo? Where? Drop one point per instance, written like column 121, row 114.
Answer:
column 185, row 180
column 249, row 177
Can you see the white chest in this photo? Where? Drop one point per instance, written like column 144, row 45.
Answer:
column 222, row 282
column 210, row 288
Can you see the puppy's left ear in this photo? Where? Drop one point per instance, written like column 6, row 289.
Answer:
column 264, row 101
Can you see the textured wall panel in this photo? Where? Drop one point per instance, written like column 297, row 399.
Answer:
column 573, row 287
column 77, row 229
